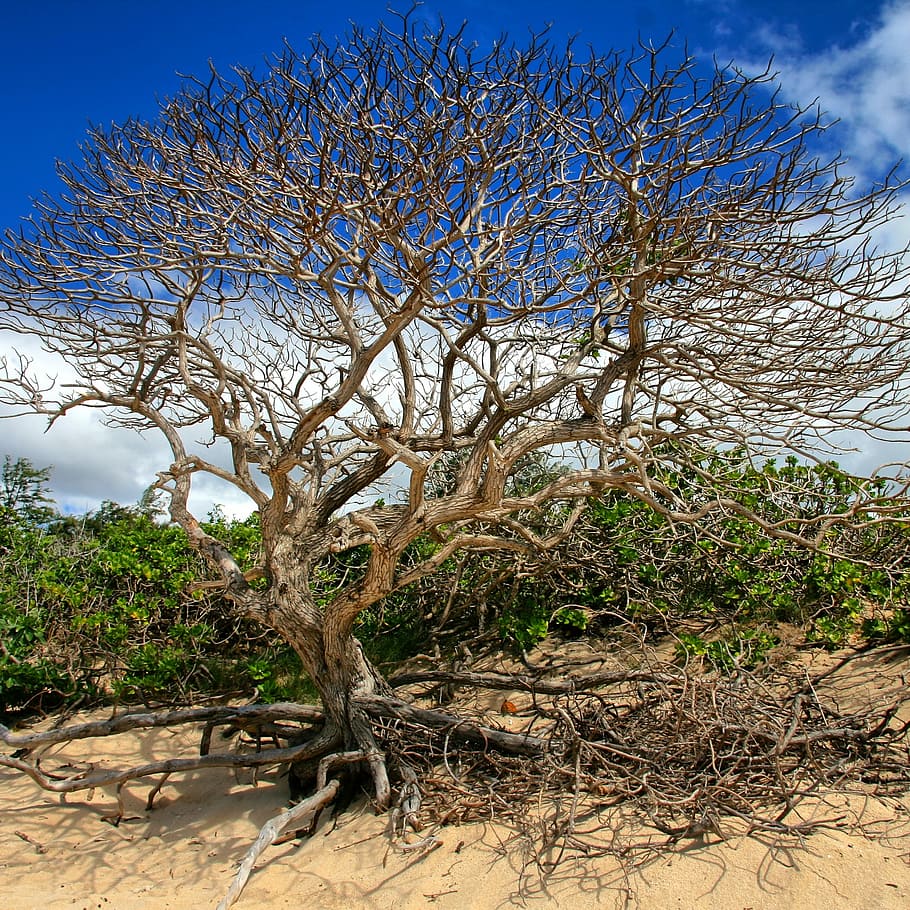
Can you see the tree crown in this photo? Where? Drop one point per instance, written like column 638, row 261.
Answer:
column 376, row 253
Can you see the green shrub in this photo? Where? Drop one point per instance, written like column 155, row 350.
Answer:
column 742, row 649
column 101, row 604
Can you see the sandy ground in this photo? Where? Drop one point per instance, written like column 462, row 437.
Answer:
column 182, row 855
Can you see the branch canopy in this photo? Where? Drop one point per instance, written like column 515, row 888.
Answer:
column 404, row 248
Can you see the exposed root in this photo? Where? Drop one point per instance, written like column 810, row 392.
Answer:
column 650, row 757
column 362, row 729
column 309, row 808
column 405, row 817
column 381, row 786
column 60, row 782
column 145, row 720
column 28, row 747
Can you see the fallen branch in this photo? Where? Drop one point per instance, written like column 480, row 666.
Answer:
column 39, row 847
column 524, row 683
column 393, row 708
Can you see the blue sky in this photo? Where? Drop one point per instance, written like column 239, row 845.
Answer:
column 64, row 65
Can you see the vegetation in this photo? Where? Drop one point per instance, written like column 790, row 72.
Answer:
column 103, row 606
column 405, row 263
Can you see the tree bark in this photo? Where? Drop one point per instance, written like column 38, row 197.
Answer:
column 342, row 674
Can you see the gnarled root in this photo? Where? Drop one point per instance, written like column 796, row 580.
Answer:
column 26, row 748
column 309, row 808
column 362, row 730
column 404, row 817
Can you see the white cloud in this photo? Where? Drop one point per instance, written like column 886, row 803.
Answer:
column 92, row 462
column 863, row 84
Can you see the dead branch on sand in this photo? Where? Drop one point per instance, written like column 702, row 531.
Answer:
column 686, row 753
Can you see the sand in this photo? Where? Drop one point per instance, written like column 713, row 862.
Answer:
column 183, row 854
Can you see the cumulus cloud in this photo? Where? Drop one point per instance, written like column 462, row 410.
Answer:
column 862, row 84
column 92, row 462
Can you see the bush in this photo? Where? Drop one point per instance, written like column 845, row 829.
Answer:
column 101, row 605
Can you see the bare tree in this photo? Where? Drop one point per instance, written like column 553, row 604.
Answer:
column 372, row 256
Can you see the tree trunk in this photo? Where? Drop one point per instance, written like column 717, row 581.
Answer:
column 341, row 673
